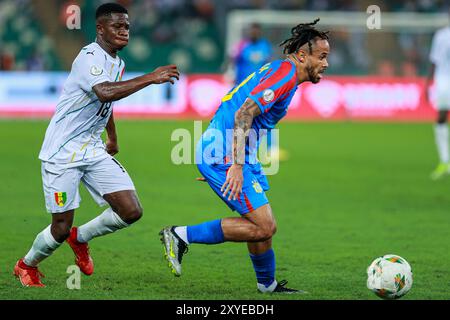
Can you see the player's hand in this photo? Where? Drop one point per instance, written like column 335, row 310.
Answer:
column 112, row 147
column 165, row 74
column 234, row 182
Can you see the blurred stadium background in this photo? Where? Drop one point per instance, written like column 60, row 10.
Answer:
column 354, row 188
column 199, row 36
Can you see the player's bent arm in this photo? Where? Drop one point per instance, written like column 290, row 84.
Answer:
column 112, row 147
column 112, row 91
column 111, row 129
column 243, row 120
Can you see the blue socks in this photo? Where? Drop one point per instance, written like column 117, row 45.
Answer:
column 264, row 265
column 208, row 232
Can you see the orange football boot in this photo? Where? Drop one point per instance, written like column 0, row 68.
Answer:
column 81, row 250
column 28, row 276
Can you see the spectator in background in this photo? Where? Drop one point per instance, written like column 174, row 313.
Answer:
column 35, row 62
column 385, row 68
column 7, row 61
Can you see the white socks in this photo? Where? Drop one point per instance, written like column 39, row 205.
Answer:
column 105, row 223
column 43, row 246
column 441, row 137
column 263, row 288
column 182, row 233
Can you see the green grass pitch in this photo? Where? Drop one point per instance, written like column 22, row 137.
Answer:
column 349, row 192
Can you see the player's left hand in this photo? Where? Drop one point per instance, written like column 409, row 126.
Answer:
column 112, row 147
column 234, row 182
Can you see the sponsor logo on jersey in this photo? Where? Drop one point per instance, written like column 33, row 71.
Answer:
column 96, row 71
column 60, row 198
column 268, row 95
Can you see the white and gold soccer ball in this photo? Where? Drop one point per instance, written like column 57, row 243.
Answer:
column 389, row 276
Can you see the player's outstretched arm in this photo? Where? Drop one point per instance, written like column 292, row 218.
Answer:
column 112, row 91
column 243, row 120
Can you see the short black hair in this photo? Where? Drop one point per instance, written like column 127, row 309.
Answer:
column 301, row 34
column 107, row 8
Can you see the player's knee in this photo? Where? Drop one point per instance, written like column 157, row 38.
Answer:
column 273, row 229
column 266, row 232
column 134, row 214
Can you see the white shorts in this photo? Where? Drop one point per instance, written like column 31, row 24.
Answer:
column 101, row 177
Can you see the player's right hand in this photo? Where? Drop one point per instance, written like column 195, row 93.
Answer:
column 233, row 183
column 165, row 74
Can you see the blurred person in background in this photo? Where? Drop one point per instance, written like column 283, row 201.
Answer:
column 250, row 54
column 440, row 73
column 7, row 61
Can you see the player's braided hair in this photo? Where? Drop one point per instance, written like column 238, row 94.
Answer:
column 301, row 34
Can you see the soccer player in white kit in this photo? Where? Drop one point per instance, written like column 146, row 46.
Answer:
column 73, row 151
column 440, row 71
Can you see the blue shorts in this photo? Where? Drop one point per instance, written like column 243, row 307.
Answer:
column 253, row 193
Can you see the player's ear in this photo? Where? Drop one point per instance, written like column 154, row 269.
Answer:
column 101, row 25
column 99, row 28
column 301, row 56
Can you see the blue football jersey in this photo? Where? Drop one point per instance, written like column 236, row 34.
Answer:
column 272, row 88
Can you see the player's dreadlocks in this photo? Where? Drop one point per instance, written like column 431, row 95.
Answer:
column 301, row 34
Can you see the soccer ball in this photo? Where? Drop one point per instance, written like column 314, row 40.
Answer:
column 389, row 276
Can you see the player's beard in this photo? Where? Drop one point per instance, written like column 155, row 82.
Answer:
column 313, row 76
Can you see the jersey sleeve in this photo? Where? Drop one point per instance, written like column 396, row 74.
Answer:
column 274, row 86
column 89, row 68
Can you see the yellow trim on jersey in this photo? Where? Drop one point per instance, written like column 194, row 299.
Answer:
column 230, row 95
column 85, row 145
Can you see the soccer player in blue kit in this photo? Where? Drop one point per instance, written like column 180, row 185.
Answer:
column 230, row 166
column 251, row 53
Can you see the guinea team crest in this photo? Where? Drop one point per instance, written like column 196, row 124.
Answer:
column 96, row 71
column 257, row 186
column 60, row 198
column 268, row 95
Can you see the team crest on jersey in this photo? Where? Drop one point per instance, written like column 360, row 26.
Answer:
column 60, row 198
column 257, row 186
column 268, row 95
column 96, row 71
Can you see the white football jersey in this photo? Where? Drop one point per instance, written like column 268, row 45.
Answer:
column 74, row 132
column 440, row 56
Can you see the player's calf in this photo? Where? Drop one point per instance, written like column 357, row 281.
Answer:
column 61, row 224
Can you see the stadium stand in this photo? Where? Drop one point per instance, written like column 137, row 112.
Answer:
column 191, row 34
